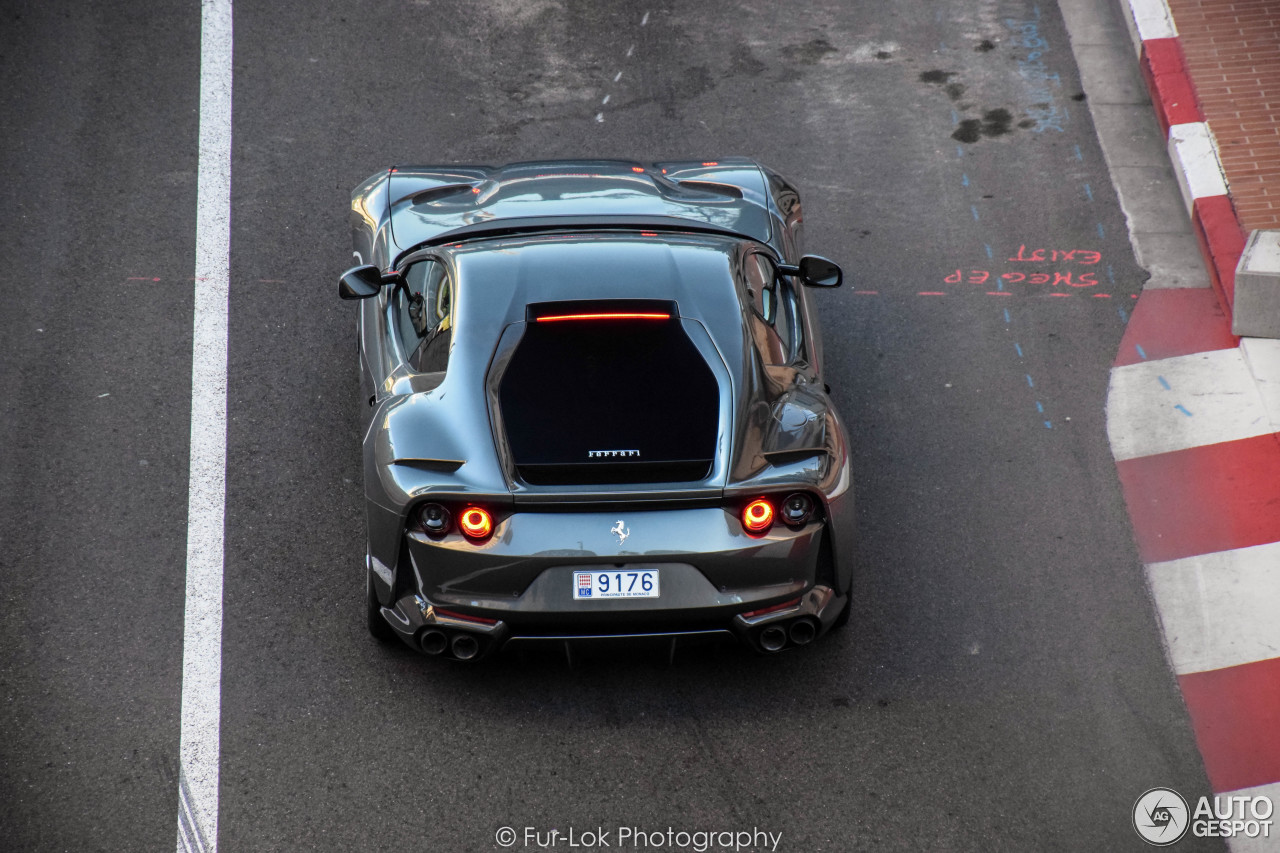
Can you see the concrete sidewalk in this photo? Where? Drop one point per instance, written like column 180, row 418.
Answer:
column 1185, row 97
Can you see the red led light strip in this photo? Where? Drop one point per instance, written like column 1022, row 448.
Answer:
column 771, row 609
column 610, row 316
column 451, row 614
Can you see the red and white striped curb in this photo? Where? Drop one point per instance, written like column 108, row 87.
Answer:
column 1198, row 456
column 1193, row 416
column 1192, row 146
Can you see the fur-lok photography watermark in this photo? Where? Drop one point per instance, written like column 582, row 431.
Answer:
column 637, row 838
column 1162, row 816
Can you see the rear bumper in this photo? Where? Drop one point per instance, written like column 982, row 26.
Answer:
column 516, row 587
column 422, row 626
column 523, row 569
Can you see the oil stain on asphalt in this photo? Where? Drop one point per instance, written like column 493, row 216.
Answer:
column 993, row 123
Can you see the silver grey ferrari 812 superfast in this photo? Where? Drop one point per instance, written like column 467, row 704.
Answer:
column 594, row 408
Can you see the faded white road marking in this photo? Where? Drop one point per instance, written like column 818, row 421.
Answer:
column 206, row 498
column 1218, row 610
column 1262, row 355
column 616, row 77
column 1187, row 401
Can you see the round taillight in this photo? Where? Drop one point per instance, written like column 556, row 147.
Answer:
column 757, row 515
column 797, row 509
column 434, row 519
column 475, row 523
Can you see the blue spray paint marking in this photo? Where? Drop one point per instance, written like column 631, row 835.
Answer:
column 1101, row 232
column 1141, row 352
column 1165, row 382
column 1045, row 112
column 1183, row 409
column 1124, row 318
column 1079, row 156
column 1088, row 191
column 991, row 254
column 1111, row 274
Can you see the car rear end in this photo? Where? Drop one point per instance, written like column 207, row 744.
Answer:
column 614, row 418
column 686, row 568
column 608, row 470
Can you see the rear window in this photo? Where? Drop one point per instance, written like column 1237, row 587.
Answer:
column 609, row 391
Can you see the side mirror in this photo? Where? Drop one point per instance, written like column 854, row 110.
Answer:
column 820, row 272
column 360, row 282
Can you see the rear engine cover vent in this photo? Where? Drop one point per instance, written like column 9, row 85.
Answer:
column 609, row 391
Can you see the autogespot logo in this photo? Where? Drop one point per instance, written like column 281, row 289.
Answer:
column 1160, row 816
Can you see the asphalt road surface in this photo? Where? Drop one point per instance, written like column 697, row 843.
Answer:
column 1001, row 685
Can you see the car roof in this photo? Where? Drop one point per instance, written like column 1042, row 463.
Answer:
column 693, row 270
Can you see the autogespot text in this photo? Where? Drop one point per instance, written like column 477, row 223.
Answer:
column 1230, row 817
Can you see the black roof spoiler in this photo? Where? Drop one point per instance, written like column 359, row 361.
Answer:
column 541, row 224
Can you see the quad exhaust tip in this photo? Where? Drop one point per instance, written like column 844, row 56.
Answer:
column 434, row 642
column 465, row 647
column 802, row 632
column 797, row 632
column 773, row 638
column 460, row 646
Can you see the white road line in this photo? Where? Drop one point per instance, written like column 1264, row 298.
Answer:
column 1219, row 610
column 1187, row 401
column 206, row 498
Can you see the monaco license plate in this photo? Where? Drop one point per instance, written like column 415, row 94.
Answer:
column 618, row 583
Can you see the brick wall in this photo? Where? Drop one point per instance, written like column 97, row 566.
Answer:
column 1233, row 53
